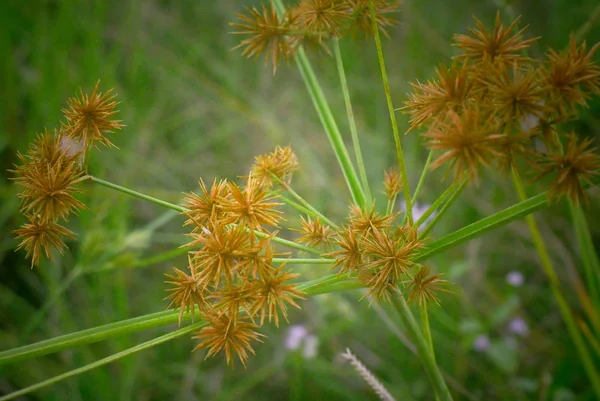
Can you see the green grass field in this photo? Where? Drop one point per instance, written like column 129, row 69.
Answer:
column 194, row 108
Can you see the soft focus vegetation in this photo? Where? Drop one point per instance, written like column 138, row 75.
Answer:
column 193, row 109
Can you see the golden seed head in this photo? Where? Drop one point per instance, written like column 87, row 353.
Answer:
column 42, row 236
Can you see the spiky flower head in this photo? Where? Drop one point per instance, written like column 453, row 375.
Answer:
column 278, row 165
column 274, row 293
column 266, row 33
column 49, row 177
column 205, row 206
column 315, row 233
column 349, row 257
column 392, row 183
column 361, row 15
column 89, row 118
column 501, row 43
column 578, row 163
column 424, row 286
column 186, row 291
column 41, row 236
column 234, row 336
column 468, row 141
column 322, row 18
column 361, row 220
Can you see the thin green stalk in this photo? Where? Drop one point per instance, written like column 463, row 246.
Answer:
column 438, row 203
column 442, row 211
column 139, row 195
column 328, row 121
column 426, row 328
column 351, row 121
column 300, row 261
column 388, row 96
column 423, row 349
column 566, row 312
column 104, row 361
column 422, row 178
column 182, row 209
column 305, row 203
column 589, row 258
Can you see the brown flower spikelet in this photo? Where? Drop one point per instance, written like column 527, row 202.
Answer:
column 205, row 206
column 322, row 18
column 349, row 258
column 48, row 176
column 423, row 287
column 234, row 336
column 501, row 43
column 281, row 163
column 88, row 118
column 391, row 183
column 578, row 163
column 186, row 291
column 42, row 236
column 315, row 233
column 273, row 295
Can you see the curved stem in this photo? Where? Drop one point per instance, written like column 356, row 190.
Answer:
column 443, row 210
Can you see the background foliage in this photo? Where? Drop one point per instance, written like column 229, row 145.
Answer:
column 195, row 109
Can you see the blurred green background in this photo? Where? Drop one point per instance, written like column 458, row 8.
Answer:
column 194, row 108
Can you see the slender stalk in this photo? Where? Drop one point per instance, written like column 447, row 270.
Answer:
column 388, row 96
column 422, row 178
column 443, row 210
column 104, row 361
column 565, row 310
column 328, row 121
column 305, row 203
column 182, row 209
column 426, row 328
column 351, row 121
column 423, row 349
column 136, row 194
column 437, row 203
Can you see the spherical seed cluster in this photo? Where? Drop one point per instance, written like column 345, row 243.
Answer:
column 493, row 104
column 53, row 167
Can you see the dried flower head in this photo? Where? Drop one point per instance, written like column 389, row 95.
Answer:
column 315, row 233
column 39, row 235
column 361, row 221
column 432, row 102
column 88, row 118
column 252, row 206
column 424, row 286
column 568, row 74
column 391, row 183
column 322, row 18
column 206, row 206
column 501, row 43
column 267, row 33
column 280, row 163
column 361, row 15
column 349, row 257
column 467, row 141
column 49, row 177
column 186, row 291
column 578, row 163
column 273, row 293
column 233, row 335
column 233, row 299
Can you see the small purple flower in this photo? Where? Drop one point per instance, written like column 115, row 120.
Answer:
column 515, row 278
column 518, row 326
column 294, row 336
column 481, row 343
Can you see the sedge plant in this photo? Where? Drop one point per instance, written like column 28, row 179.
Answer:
column 490, row 107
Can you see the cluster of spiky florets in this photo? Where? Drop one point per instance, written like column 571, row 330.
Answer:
column 494, row 103
column 51, row 169
column 232, row 276
column 380, row 250
column 310, row 23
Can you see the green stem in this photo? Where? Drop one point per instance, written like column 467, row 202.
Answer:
column 305, row 203
column 565, row 310
column 300, row 261
column 438, row 203
column 104, row 361
column 426, row 328
column 328, row 121
column 182, row 209
column 351, row 121
column 139, row 195
column 388, row 96
column 422, row 178
column 423, row 350
column 442, row 211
